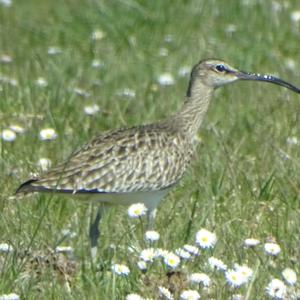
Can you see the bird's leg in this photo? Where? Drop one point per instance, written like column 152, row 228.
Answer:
column 151, row 214
column 94, row 233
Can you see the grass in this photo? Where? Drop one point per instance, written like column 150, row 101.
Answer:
column 245, row 178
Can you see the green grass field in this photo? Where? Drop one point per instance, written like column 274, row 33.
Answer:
column 244, row 181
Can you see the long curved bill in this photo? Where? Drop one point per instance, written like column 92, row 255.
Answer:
column 267, row 78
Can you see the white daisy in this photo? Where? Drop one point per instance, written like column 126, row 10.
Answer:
column 200, row 278
column 133, row 297
column 272, row 249
column 54, row 50
column 126, row 92
column 6, row 3
column 48, row 134
column 289, row 276
column 81, row 92
column 98, row 35
column 205, row 238
column 6, row 248
column 5, row 59
column 91, row 109
column 120, row 269
column 292, row 140
column 295, row 16
column 8, row 135
column 234, row 278
column 245, row 272
column 184, row 71
column 171, row 260
column 11, row 296
column 163, row 52
column 191, row 249
column 137, row 210
column 189, row 295
column 216, row 263
column 166, row 79
column 142, row 265
column 251, row 242
column 276, row 289
column 152, row 235
column 44, row 163
column 17, row 128
column 97, row 64
column 42, row 82
column 165, row 293
column 64, row 249
column 183, row 254
column 148, row 255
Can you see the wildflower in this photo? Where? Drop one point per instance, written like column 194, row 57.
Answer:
column 161, row 253
column 163, row 52
column 17, row 128
column 165, row 293
column 276, row 289
column 54, row 50
column 11, row 296
column 6, row 3
column 91, row 109
column 142, row 265
column 133, row 297
column 272, row 248
column 295, row 16
column 81, row 92
column 205, row 238
column 168, row 38
column 120, row 269
column 48, row 134
column 69, row 233
column 189, row 295
column 234, row 278
column 184, row 71
column 245, row 272
column 44, row 163
column 293, row 140
column 200, row 278
column 137, row 210
column 64, row 249
column 5, row 248
column 98, row 35
column 182, row 253
column 98, row 64
column 171, row 260
column 42, row 82
column 251, row 242
column 191, row 249
column 152, row 235
column 5, row 59
column 148, row 254
column 166, row 79
column 216, row 263
column 289, row 276
column 8, row 135
column 126, row 92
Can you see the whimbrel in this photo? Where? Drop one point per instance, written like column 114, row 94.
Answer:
column 142, row 164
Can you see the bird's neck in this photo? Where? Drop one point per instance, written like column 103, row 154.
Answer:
column 190, row 117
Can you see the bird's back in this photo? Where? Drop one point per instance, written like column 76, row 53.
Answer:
column 139, row 159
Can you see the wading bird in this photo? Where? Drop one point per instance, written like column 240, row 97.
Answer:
column 143, row 163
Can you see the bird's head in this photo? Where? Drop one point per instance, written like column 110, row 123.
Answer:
column 214, row 73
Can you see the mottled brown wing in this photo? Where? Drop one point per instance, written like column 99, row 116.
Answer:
column 129, row 160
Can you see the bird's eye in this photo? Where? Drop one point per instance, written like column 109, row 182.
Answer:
column 220, row 68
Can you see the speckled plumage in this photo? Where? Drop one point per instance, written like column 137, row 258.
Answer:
column 138, row 159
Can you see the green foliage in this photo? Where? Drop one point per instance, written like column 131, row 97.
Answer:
column 245, row 178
